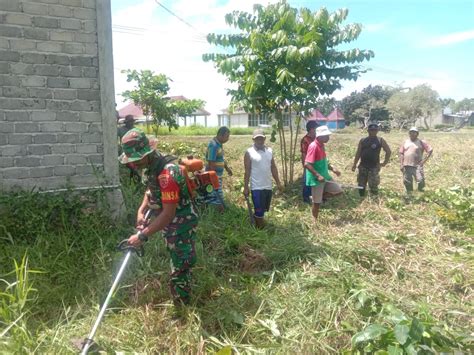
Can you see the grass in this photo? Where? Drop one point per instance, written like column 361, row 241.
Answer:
column 351, row 283
column 193, row 130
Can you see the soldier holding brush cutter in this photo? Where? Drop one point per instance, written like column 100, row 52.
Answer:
column 168, row 191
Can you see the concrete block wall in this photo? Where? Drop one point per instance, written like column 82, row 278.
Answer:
column 56, row 107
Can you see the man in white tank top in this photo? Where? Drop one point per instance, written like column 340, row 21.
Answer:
column 259, row 169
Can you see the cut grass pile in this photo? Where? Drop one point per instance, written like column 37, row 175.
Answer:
column 373, row 274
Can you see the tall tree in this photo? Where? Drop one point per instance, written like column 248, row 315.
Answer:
column 326, row 105
column 282, row 59
column 150, row 93
column 421, row 102
column 367, row 105
column 464, row 105
column 448, row 102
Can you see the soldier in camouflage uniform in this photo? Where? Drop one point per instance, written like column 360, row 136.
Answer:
column 168, row 194
column 368, row 151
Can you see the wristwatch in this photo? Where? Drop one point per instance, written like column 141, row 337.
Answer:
column 142, row 236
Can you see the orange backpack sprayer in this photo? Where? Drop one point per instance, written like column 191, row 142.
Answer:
column 198, row 181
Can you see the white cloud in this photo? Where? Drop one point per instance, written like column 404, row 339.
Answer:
column 451, row 38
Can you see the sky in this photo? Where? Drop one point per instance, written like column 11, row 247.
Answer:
column 414, row 41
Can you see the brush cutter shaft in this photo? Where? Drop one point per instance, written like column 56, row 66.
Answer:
column 88, row 341
column 346, row 186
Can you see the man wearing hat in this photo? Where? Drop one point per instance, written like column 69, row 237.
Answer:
column 368, row 151
column 259, row 169
column 177, row 220
column 311, row 126
column 317, row 173
column 129, row 122
column 412, row 161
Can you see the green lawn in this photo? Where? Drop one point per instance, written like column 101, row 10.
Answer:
column 373, row 273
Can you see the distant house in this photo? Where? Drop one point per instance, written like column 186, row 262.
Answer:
column 198, row 117
column 241, row 118
column 317, row 116
column 460, row 119
column 335, row 120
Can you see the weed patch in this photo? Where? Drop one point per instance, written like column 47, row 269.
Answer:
column 371, row 276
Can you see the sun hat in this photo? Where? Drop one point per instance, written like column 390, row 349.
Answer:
column 135, row 146
column 322, row 131
column 413, row 129
column 258, row 133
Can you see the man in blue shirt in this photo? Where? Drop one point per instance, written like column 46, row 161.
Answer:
column 215, row 161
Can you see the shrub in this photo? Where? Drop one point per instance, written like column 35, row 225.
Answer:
column 398, row 334
column 456, row 206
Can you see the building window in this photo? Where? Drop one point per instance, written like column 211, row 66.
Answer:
column 286, row 119
column 257, row 119
column 253, row 120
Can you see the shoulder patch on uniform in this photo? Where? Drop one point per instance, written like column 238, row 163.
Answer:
column 164, row 180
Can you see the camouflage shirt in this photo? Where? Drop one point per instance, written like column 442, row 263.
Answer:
column 169, row 186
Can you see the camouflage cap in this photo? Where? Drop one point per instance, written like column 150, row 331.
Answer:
column 135, row 146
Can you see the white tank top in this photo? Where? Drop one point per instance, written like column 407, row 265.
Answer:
column 260, row 168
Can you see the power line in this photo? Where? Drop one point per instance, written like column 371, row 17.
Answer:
column 180, row 18
column 140, row 31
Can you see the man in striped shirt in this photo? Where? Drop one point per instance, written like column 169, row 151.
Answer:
column 215, row 161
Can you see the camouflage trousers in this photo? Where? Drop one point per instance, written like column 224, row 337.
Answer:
column 183, row 258
column 371, row 176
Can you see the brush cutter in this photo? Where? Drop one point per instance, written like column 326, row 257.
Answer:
column 346, row 186
column 122, row 246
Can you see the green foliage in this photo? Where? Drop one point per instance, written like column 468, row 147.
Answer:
column 464, row 105
column 456, row 206
column 442, row 126
column 193, row 130
column 421, row 102
column 16, row 296
column 151, row 93
column 283, row 59
column 398, row 334
column 179, row 149
column 326, row 105
column 294, row 287
column 63, row 234
column 367, row 105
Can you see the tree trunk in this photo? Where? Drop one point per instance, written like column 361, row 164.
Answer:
column 425, row 121
column 291, row 156
column 284, row 157
column 295, row 142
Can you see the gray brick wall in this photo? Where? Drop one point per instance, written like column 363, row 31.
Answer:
column 51, row 117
